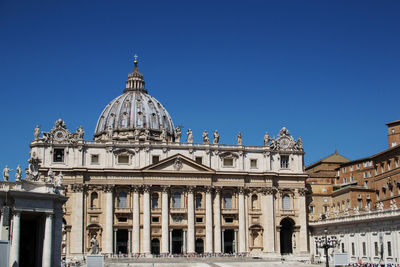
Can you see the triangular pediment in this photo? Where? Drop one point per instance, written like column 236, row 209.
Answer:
column 178, row 163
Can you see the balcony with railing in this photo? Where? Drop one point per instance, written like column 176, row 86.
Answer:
column 119, row 210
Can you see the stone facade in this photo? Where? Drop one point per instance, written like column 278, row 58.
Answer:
column 368, row 237
column 31, row 219
column 141, row 190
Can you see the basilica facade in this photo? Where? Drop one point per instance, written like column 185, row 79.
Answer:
column 140, row 187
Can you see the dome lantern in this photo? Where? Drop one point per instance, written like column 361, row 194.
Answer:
column 135, row 80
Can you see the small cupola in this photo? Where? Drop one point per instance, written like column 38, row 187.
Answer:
column 135, row 80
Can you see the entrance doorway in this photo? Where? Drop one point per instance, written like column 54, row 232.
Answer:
column 199, row 246
column 31, row 244
column 229, row 237
column 286, row 234
column 155, row 246
column 122, row 241
column 177, row 241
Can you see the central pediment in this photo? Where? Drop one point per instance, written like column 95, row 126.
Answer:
column 178, row 163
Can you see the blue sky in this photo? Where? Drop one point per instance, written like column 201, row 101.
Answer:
column 327, row 70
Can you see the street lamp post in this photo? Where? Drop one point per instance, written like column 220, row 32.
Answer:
column 326, row 242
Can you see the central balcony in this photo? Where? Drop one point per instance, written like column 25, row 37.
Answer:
column 178, row 211
column 122, row 210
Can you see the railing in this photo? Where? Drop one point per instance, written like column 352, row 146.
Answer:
column 122, row 210
column 178, row 210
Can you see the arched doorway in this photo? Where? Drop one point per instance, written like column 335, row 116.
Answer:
column 287, row 226
column 199, row 246
column 155, row 246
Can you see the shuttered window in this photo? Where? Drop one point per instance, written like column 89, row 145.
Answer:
column 286, row 202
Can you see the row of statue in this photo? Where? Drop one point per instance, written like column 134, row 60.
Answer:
column 18, row 173
column 51, row 177
column 59, row 128
column 356, row 210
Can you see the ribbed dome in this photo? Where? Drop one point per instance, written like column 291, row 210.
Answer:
column 134, row 114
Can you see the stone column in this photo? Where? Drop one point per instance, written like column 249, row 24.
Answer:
column 164, row 221
column 14, row 250
column 47, row 242
column 223, row 240
column 303, row 237
column 242, row 222
column 268, row 216
column 209, row 221
column 136, row 221
column 115, row 242
column 57, row 235
column 108, row 227
column 129, row 242
column 217, row 221
column 235, row 241
column 170, row 240
column 146, row 220
column 184, row 241
column 190, row 210
column 77, row 231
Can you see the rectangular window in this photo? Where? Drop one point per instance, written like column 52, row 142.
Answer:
column 253, row 163
column 122, row 219
column 344, row 170
column 351, row 179
column 95, row 159
column 389, row 248
column 366, row 184
column 382, row 167
column 155, row 159
column 229, row 220
column 396, row 162
column 228, row 162
column 58, row 155
column 123, row 159
column 358, row 166
column 342, row 247
column 376, row 249
column 353, row 249
column 311, row 209
column 284, row 162
column 199, row 160
column 364, row 247
column 199, row 219
column 345, row 180
column 155, row 219
column 388, row 165
column 351, row 168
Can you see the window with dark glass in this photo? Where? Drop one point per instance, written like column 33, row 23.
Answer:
column 198, row 201
column 122, row 200
column 199, row 160
column 176, row 200
column 155, row 219
column 58, row 155
column 155, row 159
column 199, row 219
column 228, row 201
column 154, row 201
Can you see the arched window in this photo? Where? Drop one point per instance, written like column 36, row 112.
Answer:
column 122, row 200
column 286, row 202
column 227, row 201
column 154, row 201
column 254, row 202
column 94, row 199
column 176, row 200
column 198, row 201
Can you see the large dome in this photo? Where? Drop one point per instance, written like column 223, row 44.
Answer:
column 134, row 115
